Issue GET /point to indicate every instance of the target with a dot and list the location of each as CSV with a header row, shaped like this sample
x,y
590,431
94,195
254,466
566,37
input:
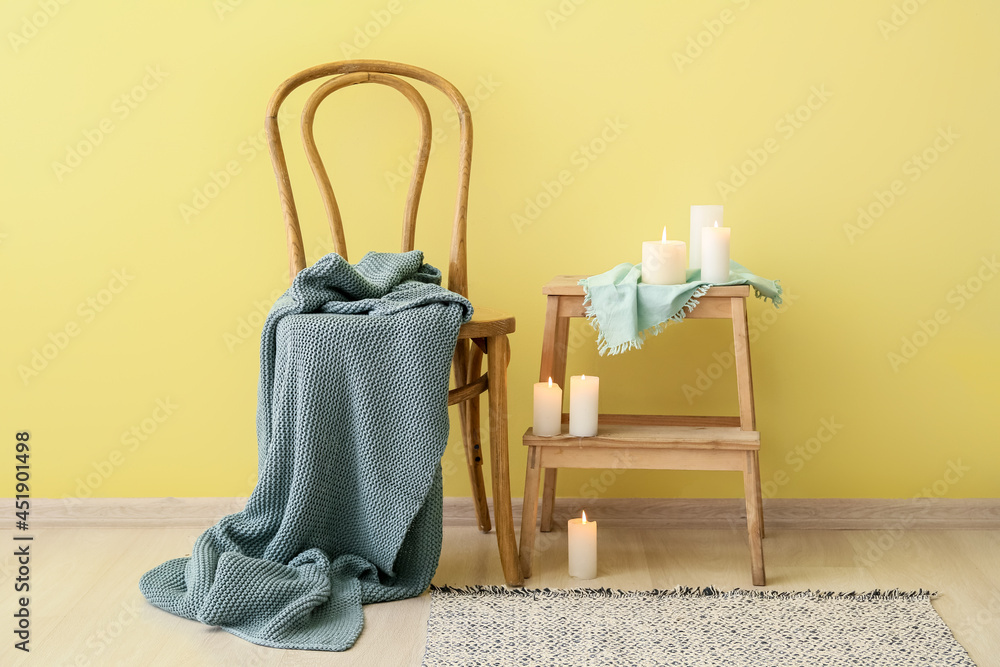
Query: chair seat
x,y
486,322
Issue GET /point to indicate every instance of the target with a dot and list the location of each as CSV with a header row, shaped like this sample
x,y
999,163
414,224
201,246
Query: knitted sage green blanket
x,y
352,421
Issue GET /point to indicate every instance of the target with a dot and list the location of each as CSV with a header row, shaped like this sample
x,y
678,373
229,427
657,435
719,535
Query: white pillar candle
x,y
701,217
583,392
582,548
664,262
715,254
548,409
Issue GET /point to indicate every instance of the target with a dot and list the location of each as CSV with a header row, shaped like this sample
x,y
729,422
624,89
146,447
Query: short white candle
x,y
715,254
664,262
548,409
583,393
582,548
701,217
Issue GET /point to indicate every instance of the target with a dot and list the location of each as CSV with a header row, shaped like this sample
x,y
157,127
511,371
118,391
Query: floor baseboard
x,y
131,512
795,513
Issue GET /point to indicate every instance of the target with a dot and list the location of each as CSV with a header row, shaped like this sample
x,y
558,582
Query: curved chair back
x,y
348,73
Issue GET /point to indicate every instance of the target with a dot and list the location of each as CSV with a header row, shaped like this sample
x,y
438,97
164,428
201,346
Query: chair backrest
x,y
348,73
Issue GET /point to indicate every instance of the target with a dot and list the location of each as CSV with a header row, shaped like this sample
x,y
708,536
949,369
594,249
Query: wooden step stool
x,y
646,441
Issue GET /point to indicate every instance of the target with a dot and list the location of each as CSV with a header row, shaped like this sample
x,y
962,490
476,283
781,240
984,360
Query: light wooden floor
x,y
86,608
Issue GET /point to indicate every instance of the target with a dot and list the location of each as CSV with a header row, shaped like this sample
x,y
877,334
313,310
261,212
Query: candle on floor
x,y
664,262
701,217
582,548
548,409
715,254
583,393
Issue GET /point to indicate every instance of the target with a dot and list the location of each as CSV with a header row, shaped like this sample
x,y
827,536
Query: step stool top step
x,y
568,286
653,436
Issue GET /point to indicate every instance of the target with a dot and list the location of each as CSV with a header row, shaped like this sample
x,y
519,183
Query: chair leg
x,y
548,498
473,444
498,356
458,363
751,475
529,511
474,457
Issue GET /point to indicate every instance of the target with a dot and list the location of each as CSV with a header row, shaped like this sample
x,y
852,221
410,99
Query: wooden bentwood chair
x,y
487,330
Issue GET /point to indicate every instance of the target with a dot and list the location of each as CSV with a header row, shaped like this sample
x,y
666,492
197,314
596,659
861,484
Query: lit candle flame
x,y
716,223
582,378
584,517
664,239
550,382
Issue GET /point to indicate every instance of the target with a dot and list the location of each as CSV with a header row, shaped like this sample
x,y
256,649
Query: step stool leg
x,y
744,378
555,342
548,499
758,496
529,510
751,476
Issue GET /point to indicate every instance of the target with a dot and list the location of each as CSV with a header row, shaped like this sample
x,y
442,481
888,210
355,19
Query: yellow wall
x,y
162,96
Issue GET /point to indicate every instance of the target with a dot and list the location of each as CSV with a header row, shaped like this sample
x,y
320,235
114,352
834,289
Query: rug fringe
x,y
680,591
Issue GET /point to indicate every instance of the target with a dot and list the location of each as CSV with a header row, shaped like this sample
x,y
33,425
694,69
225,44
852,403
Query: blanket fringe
x,y
680,591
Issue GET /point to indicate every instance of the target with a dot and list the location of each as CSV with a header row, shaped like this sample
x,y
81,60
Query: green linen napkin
x,y
625,311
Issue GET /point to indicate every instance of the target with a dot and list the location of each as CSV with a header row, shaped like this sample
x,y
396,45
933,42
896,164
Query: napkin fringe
x,y
776,299
627,313
604,347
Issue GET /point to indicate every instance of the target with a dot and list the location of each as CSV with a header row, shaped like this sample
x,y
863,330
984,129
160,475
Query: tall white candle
x,y
715,254
582,548
583,392
664,262
701,217
548,409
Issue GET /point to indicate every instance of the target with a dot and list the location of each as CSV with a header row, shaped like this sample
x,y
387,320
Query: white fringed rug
x,y
492,625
